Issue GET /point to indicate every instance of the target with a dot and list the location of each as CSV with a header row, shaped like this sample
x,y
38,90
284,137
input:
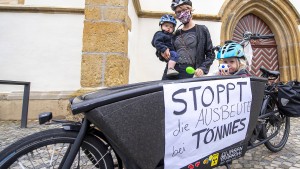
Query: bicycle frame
x,y
271,115
270,94
84,129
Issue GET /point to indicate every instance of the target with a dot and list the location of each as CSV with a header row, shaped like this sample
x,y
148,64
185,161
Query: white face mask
x,y
184,17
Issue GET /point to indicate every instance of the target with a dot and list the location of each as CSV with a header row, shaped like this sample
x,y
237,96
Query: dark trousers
x,y
174,56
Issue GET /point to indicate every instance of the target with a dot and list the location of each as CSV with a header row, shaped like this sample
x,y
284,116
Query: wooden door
x,y
264,50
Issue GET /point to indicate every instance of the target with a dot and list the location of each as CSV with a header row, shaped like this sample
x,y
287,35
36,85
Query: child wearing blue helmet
x,y
162,41
233,55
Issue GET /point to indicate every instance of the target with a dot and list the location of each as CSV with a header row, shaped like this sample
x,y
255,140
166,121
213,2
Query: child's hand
x,y
224,73
199,72
166,54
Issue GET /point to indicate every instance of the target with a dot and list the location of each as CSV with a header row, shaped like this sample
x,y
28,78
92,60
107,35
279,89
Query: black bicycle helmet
x,y
176,3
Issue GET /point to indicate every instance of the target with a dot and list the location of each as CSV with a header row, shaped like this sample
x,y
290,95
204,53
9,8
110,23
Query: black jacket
x,y
243,73
161,41
205,55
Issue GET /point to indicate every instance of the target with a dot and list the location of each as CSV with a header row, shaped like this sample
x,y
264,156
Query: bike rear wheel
x,y
46,149
276,123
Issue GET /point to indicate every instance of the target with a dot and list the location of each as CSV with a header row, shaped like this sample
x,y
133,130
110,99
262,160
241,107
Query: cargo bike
x,y
190,123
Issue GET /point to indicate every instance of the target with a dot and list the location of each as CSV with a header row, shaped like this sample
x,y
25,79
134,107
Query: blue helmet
x,y
231,50
167,18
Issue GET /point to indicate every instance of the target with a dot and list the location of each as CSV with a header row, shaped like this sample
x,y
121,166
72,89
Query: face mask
x,y
185,17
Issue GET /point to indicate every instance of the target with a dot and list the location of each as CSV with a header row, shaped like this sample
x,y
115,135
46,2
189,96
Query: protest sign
x,y
204,117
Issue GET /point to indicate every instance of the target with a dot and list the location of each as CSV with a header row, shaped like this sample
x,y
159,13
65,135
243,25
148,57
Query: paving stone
x,y
284,157
287,163
237,166
280,159
274,165
247,166
248,158
297,165
292,160
276,162
258,166
284,166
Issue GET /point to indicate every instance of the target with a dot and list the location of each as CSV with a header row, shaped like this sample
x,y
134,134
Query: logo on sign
x,y
214,159
231,154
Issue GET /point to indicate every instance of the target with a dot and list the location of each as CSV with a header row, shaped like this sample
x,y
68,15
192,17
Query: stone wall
x,y
105,44
55,102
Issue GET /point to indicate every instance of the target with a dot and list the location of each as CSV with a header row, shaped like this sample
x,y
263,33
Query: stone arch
x,y
283,20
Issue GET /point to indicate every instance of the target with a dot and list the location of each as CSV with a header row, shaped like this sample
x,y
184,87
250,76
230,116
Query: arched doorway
x,y
283,24
264,50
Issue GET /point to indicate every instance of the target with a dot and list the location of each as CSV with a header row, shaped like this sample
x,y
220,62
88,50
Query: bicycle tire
x,y
34,150
279,122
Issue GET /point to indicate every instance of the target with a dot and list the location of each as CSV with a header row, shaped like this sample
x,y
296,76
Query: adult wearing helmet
x,y
192,43
162,41
233,55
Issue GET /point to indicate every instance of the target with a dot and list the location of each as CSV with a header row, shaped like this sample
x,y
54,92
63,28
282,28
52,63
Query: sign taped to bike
x,y
204,117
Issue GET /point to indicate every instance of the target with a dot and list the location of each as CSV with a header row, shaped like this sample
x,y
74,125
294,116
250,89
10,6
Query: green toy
x,y
190,70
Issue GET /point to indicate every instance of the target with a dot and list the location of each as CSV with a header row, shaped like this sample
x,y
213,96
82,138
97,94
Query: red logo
x,y
197,164
191,166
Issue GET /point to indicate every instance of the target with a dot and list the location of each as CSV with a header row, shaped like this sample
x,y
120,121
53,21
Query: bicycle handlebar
x,y
247,36
258,36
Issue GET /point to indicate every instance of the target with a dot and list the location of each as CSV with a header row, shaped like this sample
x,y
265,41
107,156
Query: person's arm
x,y
158,42
209,53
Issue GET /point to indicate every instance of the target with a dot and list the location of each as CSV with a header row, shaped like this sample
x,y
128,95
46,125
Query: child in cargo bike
x,y
162,41
232,60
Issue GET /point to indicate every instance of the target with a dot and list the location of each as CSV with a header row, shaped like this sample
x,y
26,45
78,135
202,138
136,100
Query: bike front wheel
x,y
276,123
47,149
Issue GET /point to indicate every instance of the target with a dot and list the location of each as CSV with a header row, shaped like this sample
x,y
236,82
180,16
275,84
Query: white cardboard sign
x,y
204,117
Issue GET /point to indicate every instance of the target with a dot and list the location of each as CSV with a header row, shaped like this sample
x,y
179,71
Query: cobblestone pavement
x,y
259,157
